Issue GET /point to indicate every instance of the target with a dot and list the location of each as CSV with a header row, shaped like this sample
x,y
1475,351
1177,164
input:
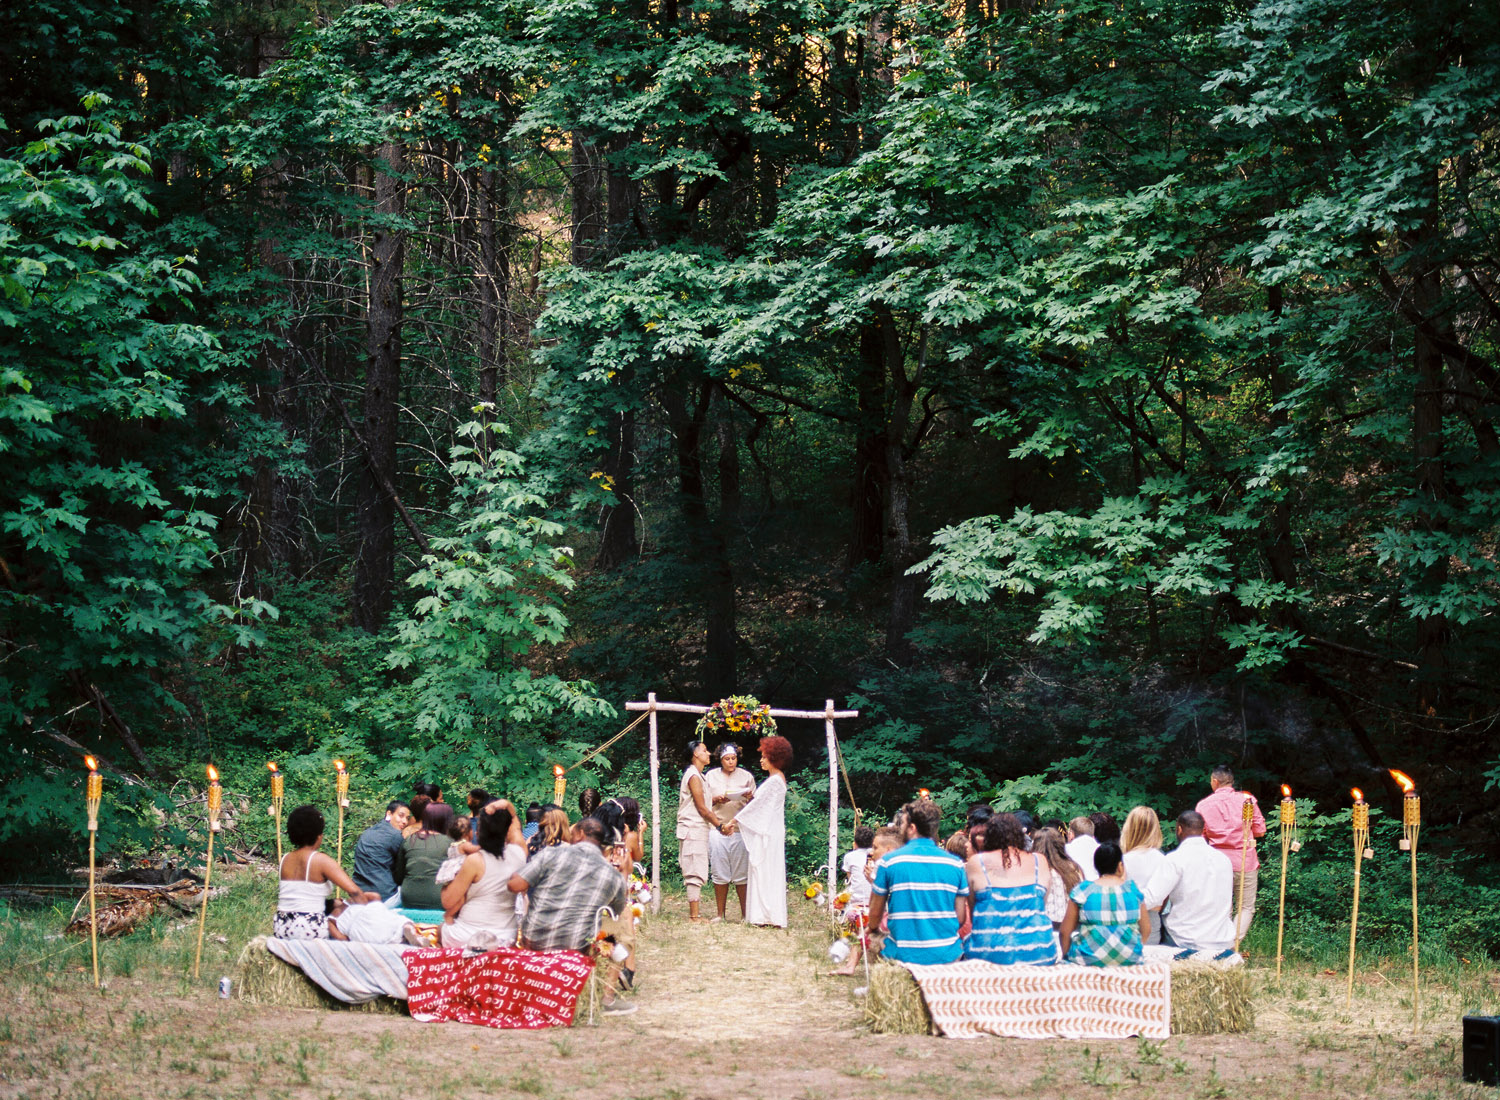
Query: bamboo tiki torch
x,y
1289,843
341,784
1411,824
559,784
1247,821
278,792
92,793
1360,819
215,804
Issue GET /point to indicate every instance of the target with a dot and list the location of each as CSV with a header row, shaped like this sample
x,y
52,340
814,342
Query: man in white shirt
x,y
1199,882
1081,846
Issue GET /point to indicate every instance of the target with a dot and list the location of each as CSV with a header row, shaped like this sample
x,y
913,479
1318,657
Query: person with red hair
x,y
763,825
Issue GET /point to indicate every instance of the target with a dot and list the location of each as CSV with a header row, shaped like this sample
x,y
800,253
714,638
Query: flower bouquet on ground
x,y
739,716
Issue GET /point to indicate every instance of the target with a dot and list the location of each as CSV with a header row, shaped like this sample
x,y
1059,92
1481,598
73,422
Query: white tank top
x,y
301,895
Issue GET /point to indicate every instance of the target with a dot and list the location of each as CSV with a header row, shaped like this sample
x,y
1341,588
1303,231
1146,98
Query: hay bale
x,y
893,1003
263,979
1211,999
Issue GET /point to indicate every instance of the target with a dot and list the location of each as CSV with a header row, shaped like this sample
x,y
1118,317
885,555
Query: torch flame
x,y
271,766
92,763
1359,795
557,769
213,774
339,764
1407,786
924,793
1286,792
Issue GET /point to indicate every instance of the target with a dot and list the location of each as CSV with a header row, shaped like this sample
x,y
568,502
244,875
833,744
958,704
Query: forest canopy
x,y
1087,392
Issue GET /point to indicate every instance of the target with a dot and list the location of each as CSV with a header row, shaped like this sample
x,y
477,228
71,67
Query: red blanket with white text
x,y
505,988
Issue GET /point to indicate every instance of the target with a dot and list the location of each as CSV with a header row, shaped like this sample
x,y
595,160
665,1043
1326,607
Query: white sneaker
x,y
618,1007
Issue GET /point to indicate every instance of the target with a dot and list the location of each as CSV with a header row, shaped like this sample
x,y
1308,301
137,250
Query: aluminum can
x,y
224,989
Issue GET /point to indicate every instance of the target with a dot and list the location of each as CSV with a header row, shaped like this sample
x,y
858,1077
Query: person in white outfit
x,y
729,788
763,824
695,823
1199,882
1081,846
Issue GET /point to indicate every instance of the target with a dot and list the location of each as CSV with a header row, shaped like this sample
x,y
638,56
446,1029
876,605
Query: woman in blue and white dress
x,y
1009,888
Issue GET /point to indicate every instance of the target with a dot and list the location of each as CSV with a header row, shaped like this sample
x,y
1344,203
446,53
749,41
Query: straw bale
x,y
1209,999
893,1003
261,978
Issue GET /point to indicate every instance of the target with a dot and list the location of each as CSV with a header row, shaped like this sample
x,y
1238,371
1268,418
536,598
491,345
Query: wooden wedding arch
x,y
827,714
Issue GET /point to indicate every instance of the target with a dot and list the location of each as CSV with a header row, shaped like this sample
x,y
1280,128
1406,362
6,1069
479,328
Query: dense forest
x,y
1086,392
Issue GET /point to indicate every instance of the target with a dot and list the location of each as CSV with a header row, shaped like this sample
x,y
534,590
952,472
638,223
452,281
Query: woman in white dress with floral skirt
x,y
763,825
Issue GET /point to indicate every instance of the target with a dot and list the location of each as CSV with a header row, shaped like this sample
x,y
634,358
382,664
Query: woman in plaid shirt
x,y
1106,921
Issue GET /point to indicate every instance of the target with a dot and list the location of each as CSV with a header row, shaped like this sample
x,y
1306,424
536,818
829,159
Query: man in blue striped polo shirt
x,y
923,891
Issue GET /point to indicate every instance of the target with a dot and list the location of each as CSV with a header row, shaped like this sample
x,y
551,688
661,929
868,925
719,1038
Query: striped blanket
x,y
352,972
971,998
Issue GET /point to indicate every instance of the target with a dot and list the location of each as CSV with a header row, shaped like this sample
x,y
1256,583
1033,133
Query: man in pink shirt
x,y
1224,829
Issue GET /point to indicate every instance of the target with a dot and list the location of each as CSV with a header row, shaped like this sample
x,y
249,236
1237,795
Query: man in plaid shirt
x,y
568,884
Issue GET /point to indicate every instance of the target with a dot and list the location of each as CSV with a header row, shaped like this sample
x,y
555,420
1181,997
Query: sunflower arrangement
x,y
738,716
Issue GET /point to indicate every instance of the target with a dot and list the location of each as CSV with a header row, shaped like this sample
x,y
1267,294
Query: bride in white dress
x,y
762,823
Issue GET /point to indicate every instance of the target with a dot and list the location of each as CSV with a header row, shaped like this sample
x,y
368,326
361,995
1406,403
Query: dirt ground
x,y
723,1010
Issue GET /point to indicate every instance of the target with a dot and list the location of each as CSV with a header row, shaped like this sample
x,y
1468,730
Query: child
x,y
372,924
854,865
458,833
885,839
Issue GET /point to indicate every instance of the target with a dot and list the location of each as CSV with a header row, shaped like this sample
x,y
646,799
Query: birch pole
x,y
655,808
833,803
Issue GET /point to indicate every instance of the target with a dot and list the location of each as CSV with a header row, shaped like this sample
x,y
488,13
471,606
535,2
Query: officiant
x,y
729,788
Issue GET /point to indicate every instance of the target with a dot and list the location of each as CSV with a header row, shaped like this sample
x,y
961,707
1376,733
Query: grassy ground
x,y
723,1009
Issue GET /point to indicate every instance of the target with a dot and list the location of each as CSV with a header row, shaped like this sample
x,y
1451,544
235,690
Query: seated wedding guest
x,y
1009,887
478,799
1081,845
958,845
979,814
375,851
421,855
479,898
372,924
431,791
1106,829
1028,825
634,840
925,891
1105,921
882,840
554,829
307,878
589,800
416,807
567,886
533,820
1048,843
1199,882
854,865
1141,842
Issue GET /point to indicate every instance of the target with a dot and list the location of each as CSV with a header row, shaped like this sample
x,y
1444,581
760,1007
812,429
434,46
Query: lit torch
x,y
1289,843
215,805
341,784
1411,825
278,792
559,784
93,792
924,795
1360,819
1247,823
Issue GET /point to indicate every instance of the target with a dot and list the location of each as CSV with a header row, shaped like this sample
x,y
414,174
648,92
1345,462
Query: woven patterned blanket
x,y
971,998
352,972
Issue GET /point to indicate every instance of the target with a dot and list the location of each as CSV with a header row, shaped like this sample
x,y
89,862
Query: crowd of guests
x,y
497,877
1011,890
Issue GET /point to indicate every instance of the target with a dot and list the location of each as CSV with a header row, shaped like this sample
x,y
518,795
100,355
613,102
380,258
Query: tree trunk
x,y
870,469
1427,440
375,566
586,180
899,548
494,289
705,543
